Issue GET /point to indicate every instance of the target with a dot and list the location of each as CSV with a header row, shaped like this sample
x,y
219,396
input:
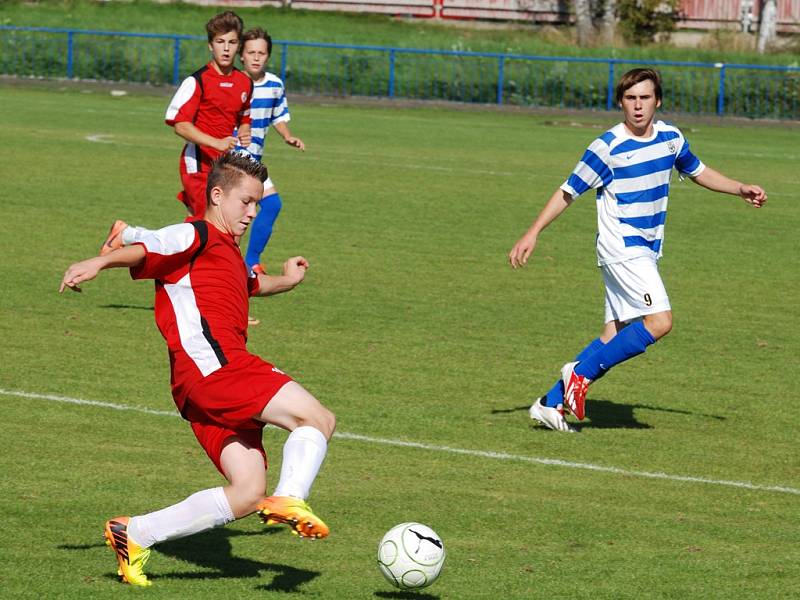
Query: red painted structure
x,y
695,14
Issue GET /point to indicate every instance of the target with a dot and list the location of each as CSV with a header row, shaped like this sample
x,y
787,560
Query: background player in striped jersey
x,y
208,106
268,108
226,393
630,166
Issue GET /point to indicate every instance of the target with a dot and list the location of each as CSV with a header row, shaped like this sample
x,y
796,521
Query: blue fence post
x,y
284,54
610,86
70,37
721,91
391,73
176,61
501,67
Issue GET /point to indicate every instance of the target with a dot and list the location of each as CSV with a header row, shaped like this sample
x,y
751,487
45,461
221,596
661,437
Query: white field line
x,y
336,157
445,449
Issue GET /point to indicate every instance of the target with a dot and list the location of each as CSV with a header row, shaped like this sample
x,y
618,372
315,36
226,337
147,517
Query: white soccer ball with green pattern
x,y
411,556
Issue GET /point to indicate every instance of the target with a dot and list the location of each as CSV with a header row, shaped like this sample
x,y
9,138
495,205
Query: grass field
x,y
683,483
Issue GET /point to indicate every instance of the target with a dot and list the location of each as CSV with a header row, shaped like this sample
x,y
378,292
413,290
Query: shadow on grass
x,y
605,414
213,552
406,596
135,306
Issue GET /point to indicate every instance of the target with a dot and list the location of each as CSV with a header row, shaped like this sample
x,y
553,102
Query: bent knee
x,y
324,420
659,324
244,497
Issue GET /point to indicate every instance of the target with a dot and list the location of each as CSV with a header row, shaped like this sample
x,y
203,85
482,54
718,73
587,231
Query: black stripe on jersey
x,y
202,232
198,76
213,342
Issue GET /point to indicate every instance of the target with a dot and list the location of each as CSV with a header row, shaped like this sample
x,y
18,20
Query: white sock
x,y
199,512
303,454
132,234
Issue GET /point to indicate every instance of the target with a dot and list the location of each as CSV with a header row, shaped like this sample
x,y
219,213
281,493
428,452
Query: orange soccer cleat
x,y
114,238
295,513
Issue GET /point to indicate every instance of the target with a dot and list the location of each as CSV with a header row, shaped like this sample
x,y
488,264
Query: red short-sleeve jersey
x,y
216,104
201,304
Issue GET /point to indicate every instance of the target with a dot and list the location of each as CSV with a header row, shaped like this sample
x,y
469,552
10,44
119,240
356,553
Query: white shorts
x,y
268,184
633,289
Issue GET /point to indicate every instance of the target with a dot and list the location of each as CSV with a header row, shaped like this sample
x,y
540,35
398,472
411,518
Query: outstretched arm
x,y
717,182
283,130
129,256
294,271
558,203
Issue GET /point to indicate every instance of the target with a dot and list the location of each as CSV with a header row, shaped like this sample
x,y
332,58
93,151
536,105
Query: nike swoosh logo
x,y
629,156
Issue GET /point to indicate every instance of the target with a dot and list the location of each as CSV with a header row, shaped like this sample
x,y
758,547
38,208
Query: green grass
x,y
411,327
313,26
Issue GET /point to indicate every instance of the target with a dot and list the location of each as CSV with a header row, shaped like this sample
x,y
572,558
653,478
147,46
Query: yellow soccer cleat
x,y
293,512
130,555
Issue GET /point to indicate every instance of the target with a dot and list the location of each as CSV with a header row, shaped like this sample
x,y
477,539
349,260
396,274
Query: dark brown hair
x,y
228,169
256,33
634,76
223,23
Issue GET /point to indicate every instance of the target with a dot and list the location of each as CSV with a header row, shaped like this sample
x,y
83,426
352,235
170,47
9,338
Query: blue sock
x,y
261,229
630,342
555,396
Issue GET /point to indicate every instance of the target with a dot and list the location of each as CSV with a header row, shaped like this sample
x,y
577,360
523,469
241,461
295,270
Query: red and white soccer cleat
x,y
550,417
575,388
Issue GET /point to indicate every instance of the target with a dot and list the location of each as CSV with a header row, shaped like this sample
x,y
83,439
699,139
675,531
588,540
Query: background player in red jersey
x,y
226,393
208,106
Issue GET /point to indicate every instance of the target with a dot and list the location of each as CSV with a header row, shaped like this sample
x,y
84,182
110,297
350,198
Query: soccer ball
x,y
411,556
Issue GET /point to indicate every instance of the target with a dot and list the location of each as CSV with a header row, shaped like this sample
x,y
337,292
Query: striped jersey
x,y
215,104
267,107
632,177
202,291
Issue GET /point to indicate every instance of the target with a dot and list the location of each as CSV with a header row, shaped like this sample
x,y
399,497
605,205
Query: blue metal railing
x,y
486,77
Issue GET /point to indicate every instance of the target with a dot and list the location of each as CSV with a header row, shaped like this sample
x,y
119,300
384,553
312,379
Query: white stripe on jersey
x,y
170,240
267,107
190,328
181,97
632,178
190,157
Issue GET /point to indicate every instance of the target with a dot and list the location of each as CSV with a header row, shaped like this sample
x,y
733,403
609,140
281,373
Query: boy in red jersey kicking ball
x,y
226,393
208,106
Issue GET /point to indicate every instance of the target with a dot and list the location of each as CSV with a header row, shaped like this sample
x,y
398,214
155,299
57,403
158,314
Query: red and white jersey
x,y
216,104
202,291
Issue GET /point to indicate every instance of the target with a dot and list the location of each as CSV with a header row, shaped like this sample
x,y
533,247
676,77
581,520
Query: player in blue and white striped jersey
x,y
268,108
630,166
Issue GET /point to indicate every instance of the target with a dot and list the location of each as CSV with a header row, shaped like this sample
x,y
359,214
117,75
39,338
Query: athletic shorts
x,y
268,184
225,403
633,289
193,194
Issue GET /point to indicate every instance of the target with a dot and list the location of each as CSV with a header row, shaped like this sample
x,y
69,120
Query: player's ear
x,y
216,195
